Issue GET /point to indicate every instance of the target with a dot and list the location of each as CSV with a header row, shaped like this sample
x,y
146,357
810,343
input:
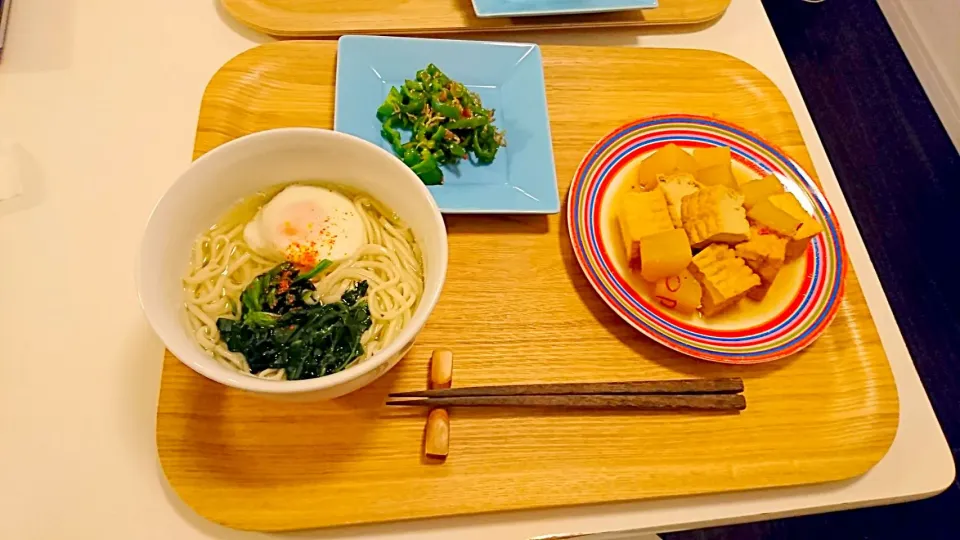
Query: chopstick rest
x,y
436,437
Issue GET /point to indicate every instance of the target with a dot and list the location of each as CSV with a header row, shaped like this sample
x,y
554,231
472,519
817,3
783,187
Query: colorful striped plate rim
x,y
793,325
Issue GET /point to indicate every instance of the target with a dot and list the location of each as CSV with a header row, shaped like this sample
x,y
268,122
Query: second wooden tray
x,y
325,18
517,309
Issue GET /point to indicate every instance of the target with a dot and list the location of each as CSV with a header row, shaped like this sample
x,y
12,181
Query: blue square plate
x,y
522,8
508,78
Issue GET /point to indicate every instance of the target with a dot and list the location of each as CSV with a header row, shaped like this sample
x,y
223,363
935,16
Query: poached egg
x,y
304,225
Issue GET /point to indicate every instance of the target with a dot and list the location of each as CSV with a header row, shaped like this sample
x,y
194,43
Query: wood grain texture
x,y
323,18
516,309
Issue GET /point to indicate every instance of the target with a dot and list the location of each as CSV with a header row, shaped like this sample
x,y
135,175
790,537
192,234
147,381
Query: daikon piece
x,y
642,213
717,175
681,292
711,156
810,226
664,254
768,215
667,160
758,190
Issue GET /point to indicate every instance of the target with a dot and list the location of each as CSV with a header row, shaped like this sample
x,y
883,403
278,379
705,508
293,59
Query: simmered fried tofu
x,y
764,253
724,276
714,214
642,213
760,291
675,187
667,160
808,229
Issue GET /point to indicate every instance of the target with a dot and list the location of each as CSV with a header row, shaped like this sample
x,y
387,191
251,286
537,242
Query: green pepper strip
x,y
414,106
472,122
458,151
410,157
414,91
386,110
392,135
428,170
484,155
449,111
390,105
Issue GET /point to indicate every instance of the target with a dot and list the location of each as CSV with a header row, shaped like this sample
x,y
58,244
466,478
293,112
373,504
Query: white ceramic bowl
x,y
245,166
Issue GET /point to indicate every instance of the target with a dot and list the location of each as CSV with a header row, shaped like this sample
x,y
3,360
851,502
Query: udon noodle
x,y
222,265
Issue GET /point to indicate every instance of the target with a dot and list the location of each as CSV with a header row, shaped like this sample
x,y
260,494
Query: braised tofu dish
x,y
704,240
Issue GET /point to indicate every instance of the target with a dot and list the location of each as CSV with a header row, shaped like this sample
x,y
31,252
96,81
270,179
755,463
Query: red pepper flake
x,y
284,282
667,302
673,283
303,255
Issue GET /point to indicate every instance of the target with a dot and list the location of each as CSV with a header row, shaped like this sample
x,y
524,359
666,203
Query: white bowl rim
x,y
428,300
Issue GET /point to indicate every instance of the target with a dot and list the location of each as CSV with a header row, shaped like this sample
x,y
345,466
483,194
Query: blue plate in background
x,y
521,8
508,78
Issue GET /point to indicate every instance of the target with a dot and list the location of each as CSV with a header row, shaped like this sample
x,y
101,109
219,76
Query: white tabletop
x,y
98,105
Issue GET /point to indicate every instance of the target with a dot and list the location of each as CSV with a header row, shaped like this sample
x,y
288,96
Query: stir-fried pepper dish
x,y
447,123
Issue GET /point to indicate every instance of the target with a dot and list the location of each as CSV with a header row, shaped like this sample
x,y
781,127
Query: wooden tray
x,y
517,309
325,18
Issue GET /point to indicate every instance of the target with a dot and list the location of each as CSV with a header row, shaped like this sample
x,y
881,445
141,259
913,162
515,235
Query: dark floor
x,y
901,176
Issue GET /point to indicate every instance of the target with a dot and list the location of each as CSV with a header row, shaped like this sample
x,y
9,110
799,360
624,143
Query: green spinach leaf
x,y
280,326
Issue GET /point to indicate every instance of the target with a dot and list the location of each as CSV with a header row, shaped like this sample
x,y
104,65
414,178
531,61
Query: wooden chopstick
x,y
731,385
712,402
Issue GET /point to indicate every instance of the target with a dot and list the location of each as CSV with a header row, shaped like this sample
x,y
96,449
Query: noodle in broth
x,y
223,264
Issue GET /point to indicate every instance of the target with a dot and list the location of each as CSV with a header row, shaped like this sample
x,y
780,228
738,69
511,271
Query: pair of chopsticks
x,y
722,394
